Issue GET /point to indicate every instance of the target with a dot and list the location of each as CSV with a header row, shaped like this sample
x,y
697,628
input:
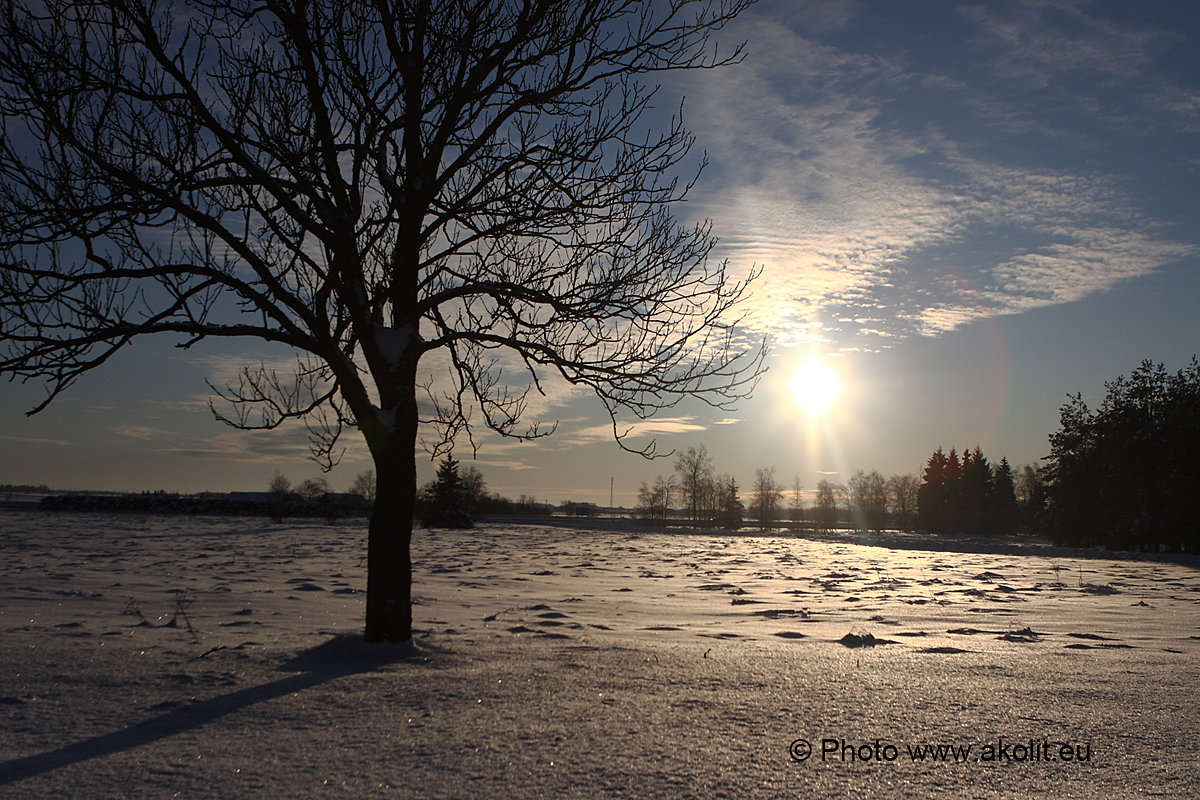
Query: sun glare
x,y
815,386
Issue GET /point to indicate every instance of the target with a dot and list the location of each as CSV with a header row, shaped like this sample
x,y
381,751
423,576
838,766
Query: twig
x,y
181,611
210,651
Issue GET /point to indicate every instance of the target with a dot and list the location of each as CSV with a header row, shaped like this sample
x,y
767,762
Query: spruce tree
x,y
1003,512
448,498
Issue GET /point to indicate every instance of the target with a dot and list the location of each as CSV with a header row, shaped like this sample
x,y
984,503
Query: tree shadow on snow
x,y
342,655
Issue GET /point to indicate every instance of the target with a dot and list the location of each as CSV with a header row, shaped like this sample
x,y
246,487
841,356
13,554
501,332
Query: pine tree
x,y
730,508
1031,497
972,498
447,498
1003,499
1123,475
933,496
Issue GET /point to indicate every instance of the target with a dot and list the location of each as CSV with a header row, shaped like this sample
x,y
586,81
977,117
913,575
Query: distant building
x,y
250,497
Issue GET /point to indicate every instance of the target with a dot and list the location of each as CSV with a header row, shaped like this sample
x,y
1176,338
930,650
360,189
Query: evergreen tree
x,y
933,498
966,494
973,495
448,498
953,466
1123,475
1031,497
1071,471
730,509
1003,512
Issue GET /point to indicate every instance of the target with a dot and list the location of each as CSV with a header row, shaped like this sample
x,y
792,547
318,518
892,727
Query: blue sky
x,y
970,210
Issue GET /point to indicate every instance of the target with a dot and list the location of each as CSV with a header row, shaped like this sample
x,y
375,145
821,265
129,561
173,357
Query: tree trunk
x,y
389,565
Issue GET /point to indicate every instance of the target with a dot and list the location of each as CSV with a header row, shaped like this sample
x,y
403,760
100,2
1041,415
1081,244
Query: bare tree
x,y
312,489
857,488
767,495
694,468
280,485
902,493
654,501
368,183
825,509
868,500
364,485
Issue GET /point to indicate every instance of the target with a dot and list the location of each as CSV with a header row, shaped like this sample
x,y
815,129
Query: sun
x,y
815,386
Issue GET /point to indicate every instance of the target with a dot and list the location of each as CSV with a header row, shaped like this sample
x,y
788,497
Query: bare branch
x,y
368,182
372,183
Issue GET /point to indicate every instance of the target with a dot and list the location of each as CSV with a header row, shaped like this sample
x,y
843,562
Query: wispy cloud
x,y
635,430
1076,60
287,443
875,219
35,440
507,465
192,403
225,369
504,454
1039,41
141,432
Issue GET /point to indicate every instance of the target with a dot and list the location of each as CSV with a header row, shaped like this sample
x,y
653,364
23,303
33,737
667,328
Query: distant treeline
x,y
458,495
1121,476
968,495
955,495
23,488
704,498
453,498
698,495
167,503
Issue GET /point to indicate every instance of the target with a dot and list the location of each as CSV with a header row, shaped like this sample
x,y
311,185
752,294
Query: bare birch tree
x,y
369,183
694,468
902,493
767,495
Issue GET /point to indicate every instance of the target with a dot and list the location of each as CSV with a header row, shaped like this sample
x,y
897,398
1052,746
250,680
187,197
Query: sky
x,y
965,211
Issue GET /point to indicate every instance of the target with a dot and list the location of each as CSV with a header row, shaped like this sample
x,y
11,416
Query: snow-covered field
x,y
219,657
